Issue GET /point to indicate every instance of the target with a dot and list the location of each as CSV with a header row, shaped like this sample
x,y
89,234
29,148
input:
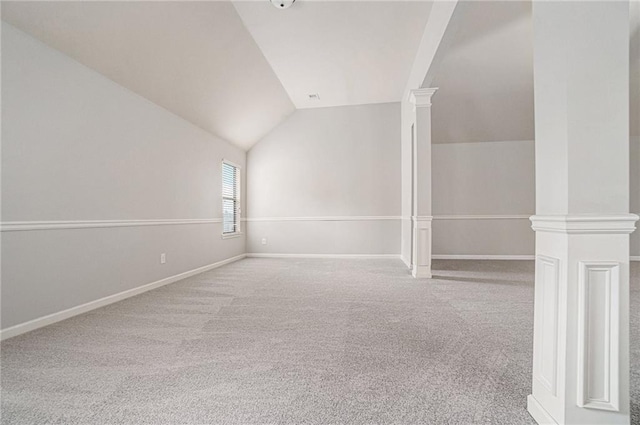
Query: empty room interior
x,y
320,212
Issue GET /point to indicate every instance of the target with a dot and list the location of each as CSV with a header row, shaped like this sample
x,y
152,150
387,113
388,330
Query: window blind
x,y
230,198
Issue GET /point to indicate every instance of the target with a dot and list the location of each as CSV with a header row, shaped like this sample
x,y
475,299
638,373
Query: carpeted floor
x,y
284,341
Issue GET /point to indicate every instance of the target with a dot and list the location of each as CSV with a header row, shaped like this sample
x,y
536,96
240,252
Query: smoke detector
x,y
282,4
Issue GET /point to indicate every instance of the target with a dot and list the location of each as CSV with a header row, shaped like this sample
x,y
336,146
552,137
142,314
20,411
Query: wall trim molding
x,y
421,218
585,224
524,257
484,217
110,299
435,257
421,98
538,413
603,279
482,257
497,257
546,346
15,226
394,217
326,218
364,256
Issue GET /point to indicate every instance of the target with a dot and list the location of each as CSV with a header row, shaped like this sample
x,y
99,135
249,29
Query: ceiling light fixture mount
x,y
282,4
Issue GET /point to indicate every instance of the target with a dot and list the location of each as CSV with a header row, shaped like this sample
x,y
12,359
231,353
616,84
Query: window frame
x,y
237,200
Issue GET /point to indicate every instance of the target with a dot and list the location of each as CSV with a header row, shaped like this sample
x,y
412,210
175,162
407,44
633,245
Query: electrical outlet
x,y
264,241
163,258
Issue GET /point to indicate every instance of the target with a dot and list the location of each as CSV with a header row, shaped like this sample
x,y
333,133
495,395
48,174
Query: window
x,y
230,198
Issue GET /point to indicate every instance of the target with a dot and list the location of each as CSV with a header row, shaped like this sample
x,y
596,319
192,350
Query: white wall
x,y
491,179
76,146
336,172
478,191
483,195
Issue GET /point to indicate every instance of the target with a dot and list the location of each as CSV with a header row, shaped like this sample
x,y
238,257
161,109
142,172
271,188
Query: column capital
x,y
421,97
585,224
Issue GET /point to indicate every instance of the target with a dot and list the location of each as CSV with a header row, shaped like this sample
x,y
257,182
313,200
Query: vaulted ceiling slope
x,y
485,78
196,59
347,52
485,75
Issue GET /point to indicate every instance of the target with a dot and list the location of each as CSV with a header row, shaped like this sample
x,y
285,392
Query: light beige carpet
x,y
282,341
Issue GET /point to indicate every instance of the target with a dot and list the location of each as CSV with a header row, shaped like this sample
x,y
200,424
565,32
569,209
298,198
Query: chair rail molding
x,y
326,218
483,217
17,226
393,217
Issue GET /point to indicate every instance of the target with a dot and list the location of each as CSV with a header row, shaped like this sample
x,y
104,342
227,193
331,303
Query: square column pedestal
x,y
581,320
421,247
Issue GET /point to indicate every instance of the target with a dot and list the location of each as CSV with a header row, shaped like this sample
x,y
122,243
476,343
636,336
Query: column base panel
x,y
538,413
421,272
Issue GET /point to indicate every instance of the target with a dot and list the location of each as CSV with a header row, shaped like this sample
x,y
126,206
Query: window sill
x,y
232,235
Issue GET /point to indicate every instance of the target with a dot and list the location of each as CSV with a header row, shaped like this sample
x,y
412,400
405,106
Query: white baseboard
x,y
538,413
92,305
263,255
482,257
497,257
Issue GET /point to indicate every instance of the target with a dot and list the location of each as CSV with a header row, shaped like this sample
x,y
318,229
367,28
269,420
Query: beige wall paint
x,y
76,146
485,76
483,180
337,162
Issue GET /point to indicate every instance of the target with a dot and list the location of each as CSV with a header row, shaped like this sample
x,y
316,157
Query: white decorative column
x,y
421,175
582,221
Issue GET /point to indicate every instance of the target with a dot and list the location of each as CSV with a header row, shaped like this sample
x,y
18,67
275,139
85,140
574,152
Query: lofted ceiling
x,y
195,59
485,78
485,75
347,52
239,69
233,69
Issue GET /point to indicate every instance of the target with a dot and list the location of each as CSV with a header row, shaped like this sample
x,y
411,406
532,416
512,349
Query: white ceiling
x,y
348,52
485,78
234,69
195,59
